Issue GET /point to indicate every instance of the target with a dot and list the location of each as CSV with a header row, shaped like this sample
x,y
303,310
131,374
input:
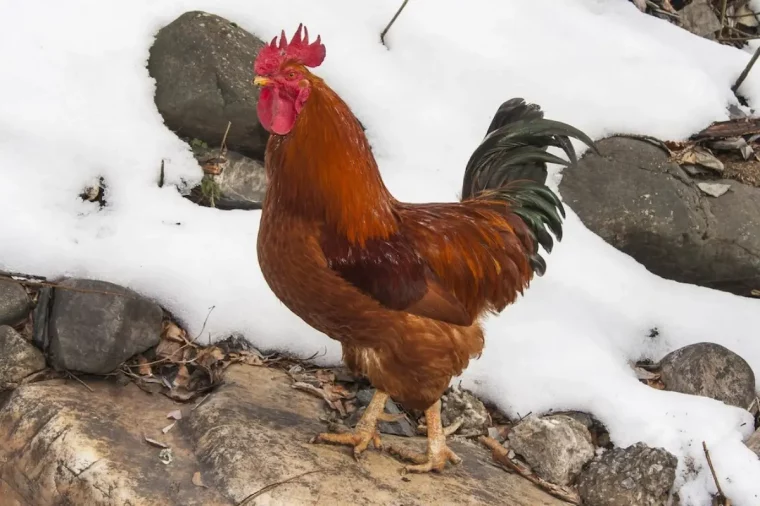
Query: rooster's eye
x,y
291,75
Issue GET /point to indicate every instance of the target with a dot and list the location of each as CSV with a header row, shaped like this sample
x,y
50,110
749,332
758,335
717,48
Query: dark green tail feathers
x,y
510,165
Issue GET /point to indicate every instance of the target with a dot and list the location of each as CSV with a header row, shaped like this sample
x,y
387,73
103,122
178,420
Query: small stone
x,y
709,370
400,427
714,189
95,326
556,447
18,358
14,303
700,19
459,404
633,476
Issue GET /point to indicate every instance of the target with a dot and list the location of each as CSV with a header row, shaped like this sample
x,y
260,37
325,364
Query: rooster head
x,y
280,69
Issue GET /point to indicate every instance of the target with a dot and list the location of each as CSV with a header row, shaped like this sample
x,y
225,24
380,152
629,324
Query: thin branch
x,y
393,20
721,496
746,70
722,16
273,485
72,376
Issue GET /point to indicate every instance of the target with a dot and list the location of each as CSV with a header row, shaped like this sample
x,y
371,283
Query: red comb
x,y
272,55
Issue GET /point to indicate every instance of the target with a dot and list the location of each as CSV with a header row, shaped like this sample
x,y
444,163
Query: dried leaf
x,y
643,374
325,376
172,332
197,480
695,155
207,357
169,350
183,377
155,443
143,367
175,415
168,427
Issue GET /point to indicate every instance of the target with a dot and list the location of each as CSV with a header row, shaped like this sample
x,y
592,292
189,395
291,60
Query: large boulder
x,y
61,443
203,67
651,209
633,476
709,370
94,326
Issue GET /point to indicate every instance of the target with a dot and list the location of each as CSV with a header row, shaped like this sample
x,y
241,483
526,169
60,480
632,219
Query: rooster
x,y
401,286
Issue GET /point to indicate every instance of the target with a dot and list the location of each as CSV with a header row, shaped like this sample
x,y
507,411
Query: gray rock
x,y
459,404
633,476
18,358
14,303
650,209
709,370
401,427
556,447
95,326
700,19
203,67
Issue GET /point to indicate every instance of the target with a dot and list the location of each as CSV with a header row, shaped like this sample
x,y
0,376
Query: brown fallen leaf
x,y
325,376
143,366
168,427
207,357
182,380
175,415
169,350
197,480
155,443
172,332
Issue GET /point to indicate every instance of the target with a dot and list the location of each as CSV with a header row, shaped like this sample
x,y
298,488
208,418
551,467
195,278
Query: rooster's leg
x,y
438,454
364,432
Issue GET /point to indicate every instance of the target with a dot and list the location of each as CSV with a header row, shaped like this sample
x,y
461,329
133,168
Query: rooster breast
x,y
412,358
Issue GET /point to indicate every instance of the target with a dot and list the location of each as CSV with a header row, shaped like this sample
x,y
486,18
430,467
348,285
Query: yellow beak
x,y
261,81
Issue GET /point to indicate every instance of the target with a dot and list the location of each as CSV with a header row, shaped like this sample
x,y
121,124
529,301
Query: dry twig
x,y
746,70
722,499
273,485
501,456
393,20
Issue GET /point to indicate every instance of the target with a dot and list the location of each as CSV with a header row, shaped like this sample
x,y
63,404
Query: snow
x,y
77,103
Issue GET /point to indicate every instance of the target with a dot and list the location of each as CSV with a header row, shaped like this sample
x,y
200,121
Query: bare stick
x,y
223,148
746,70
722,17
501,456
273,485
393,20
721,496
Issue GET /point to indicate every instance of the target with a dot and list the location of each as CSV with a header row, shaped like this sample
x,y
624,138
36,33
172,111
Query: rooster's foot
x,y
365,431
437,455
434,460
359,439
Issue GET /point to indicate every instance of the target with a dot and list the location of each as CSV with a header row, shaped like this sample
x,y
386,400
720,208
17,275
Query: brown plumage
x,y
401,286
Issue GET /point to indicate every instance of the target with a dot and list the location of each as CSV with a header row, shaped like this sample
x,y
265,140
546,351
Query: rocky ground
x,y
105,400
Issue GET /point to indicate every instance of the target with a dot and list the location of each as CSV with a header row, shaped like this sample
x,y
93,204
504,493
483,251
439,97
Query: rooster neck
x,y
324,170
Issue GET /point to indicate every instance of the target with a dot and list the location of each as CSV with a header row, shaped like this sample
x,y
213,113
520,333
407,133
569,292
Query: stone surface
x,y
62,444
700,19
633,476
556,447
402,427
18,358
203,67
709,370
649,208
242,183
14,303
459,404
94,326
